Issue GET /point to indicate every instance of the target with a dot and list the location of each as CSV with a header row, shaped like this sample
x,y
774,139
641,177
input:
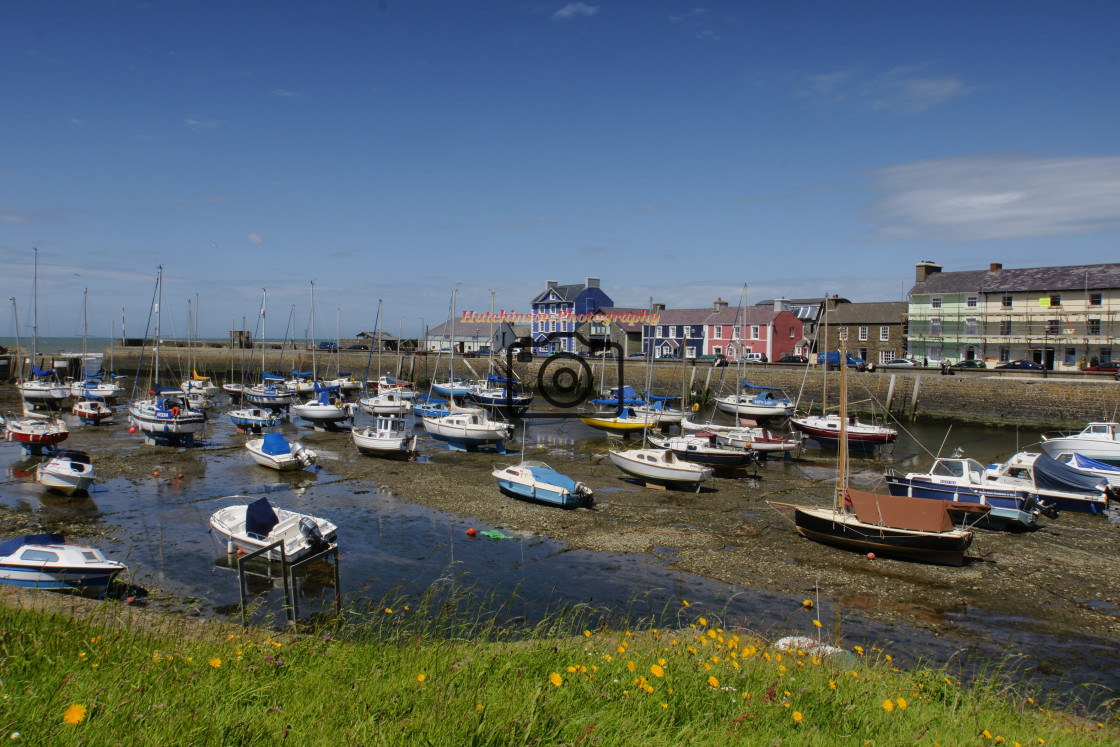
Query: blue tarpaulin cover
x,y
275,444
259,517
40,372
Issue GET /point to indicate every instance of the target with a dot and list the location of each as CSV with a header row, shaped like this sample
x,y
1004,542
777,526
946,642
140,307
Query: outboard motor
x,y
1034,506
310,531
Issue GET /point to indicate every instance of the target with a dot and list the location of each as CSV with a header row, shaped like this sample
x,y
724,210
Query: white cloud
x,y
255,238
285,94
198,123
573,10
997,197
903,90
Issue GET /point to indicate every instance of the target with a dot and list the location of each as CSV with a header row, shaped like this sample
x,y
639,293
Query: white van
x,y
754,358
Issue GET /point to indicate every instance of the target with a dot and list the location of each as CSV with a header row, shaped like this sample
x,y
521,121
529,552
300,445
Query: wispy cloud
x,y
997,197
255,238
200,123
285,94
25,217
576,10
902,90
697,19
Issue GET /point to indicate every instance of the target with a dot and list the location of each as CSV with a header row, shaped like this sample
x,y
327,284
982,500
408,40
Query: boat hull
x,y
658,470
1010,509
846,531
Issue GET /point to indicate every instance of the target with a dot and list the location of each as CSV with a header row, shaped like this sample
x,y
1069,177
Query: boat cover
x,y
260,517
498,379
629,397
1081,461
275,444
659,397
550,476
1050,474
748,385
271,377
165,390
322,390
900,512
302,373
9,547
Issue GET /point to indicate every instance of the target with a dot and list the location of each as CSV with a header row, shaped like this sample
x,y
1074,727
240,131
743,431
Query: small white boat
x,y
826,429
661,466
67,472
387,437
91,411
323,412
386,403
275,451
538,482
166,418
271,392
47,561
757,402
761,440
252,527
467,428
1100,441
198,384
1085,465
233,388
254,419
702,448
44,388
36,433
95,386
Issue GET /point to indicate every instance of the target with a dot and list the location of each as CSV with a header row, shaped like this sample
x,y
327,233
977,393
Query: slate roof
x,y
760,315
1010,280
876,312
568,293
468,330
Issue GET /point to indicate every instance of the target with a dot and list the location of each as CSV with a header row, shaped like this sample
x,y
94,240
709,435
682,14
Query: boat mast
x,y
159,302
15,317
842,476
314,343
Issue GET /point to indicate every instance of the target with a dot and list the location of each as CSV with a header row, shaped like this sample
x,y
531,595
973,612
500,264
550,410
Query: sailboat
x,y
909,528
166,415
43,386
93,391
454,386
272,392
467,428
326,409
390,400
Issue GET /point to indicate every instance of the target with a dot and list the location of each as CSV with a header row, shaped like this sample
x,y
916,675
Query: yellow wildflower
x,y
888,706
631,666
657,671
713,681
556,679
686,603
858,650
902,703
421,677
703,622
388,611
807,604
215,662
987,734
817,623
587,634
797,717
832,684
75,714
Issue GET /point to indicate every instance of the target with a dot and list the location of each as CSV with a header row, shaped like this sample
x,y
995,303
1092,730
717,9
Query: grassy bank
x,y
74,671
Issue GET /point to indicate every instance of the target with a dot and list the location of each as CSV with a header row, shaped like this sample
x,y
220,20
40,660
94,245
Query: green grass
x,y
413,673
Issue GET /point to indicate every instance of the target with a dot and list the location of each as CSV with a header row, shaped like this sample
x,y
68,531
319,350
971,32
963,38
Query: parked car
x,y
640,356
328,346
1109,366
358,347
754,358
970,363
1020,366
901,363
793,359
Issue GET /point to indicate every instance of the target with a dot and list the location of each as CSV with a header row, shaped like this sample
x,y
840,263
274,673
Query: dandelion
x,y
587,634
631,666
686,603
479,707
816,623
215,662
832,684
987,734
556,679
797,717
664,705
888,706
713,681
388,611
703,622
859,650
421,677
807,604
902,703
75,714
657,671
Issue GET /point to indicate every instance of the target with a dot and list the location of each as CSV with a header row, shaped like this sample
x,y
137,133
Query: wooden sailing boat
x,y
909,528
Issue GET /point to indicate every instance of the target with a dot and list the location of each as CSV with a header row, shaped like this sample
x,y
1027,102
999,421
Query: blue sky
x,y
398,150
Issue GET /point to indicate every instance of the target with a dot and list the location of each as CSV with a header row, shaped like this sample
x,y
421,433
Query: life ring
x,y
174,412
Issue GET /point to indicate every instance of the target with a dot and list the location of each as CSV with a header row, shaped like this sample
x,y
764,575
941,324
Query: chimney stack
x,y
924,269
995,267
720,304
779,305
592,283
549,284
658,308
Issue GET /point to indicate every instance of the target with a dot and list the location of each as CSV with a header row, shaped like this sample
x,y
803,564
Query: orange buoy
x,y
472,532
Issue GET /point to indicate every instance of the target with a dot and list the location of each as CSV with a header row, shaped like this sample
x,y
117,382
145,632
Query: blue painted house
x,y
563,308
